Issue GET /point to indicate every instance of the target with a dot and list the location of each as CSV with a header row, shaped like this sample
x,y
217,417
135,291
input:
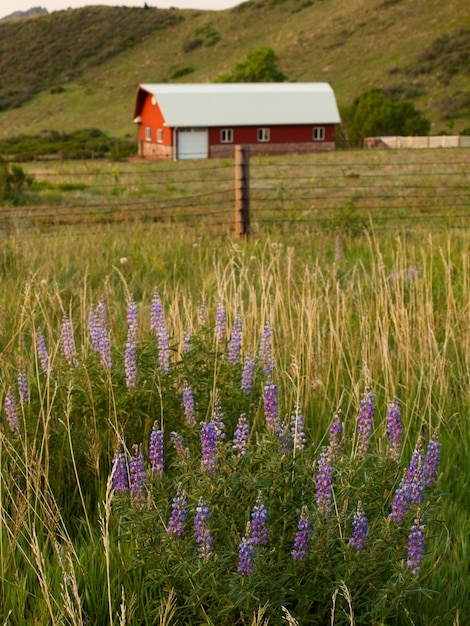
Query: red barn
x,y
199,121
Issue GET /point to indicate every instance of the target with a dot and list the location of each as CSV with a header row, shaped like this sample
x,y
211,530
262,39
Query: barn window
x,y
160,135
148,133
263,134
226,135
318,133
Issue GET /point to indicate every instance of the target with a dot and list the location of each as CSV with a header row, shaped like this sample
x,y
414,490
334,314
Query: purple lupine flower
x,y
414,475
23,386
209,446
218,417
202,318
335,433
67,343
137,476
240,437
401,500
259,517
179,443
297,429
178,513
98,324
360,529
365,421
235,340
394,430
220,321
246,554
188,405
416,545
120,475
265,354
302,536
158,325
431,461
187,341
324,483
271,408
156,450
201,531
11,410
247,374
41,349
130,361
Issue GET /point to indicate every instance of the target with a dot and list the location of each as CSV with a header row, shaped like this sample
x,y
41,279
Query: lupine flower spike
x,y
69,351
431,461
265,354
416,545
179,443
259,518
302,537
235,340
178,514
98,324
240,437
158,325
42,351
138,477
188,405
271,408
120,476
297,430
247,374
365,422
201,531
209,446
394,430
335,433
246,554
324,488
218,417
360,529
220,322
23,386
11,410
130,363
156,450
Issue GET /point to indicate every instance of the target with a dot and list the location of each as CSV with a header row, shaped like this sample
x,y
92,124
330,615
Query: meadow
x,y
203,430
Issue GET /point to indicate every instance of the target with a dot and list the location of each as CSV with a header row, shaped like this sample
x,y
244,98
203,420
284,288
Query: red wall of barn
x,y
152,116
278,134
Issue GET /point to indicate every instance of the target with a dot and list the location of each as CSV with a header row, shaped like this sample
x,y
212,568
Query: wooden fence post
x,y
242,191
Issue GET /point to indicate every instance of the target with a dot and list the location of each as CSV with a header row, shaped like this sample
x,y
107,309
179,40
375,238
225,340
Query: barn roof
x,y
242,104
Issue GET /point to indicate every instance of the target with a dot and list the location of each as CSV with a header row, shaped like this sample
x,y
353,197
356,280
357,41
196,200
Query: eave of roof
x,y
240,104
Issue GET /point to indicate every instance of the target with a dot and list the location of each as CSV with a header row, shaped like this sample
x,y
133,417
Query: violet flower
x,y
240,437
259,518
69,351
130,357
11,410
41,349
335,433
416,545
324,484
188,405
246,554
235,340
431,462
120,475
401,501
218,417
220,322
247,375
265,354
394,430
201,531
99,332
209,447
179,443
158,325
365,421
138,478
302,536
156,450
178,514
23,386
360,529
187,341
297,430
271,408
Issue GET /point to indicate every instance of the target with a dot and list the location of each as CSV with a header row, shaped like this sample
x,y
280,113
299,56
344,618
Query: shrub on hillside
x,y
260,66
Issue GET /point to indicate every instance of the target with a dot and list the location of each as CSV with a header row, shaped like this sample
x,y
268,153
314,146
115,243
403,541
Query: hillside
x,y
81,68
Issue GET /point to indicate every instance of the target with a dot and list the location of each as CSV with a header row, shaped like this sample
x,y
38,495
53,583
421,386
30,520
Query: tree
x,y
372,114
260,67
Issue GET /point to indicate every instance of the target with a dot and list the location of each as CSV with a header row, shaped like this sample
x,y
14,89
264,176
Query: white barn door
x,y
193,143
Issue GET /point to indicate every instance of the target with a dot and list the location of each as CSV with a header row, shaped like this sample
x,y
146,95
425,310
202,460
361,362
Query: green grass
x,y
355,48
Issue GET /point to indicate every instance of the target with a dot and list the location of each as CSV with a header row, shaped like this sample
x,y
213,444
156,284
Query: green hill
x,y
80,68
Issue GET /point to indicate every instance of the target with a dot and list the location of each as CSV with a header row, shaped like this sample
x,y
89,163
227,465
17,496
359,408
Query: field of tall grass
x,y
199,430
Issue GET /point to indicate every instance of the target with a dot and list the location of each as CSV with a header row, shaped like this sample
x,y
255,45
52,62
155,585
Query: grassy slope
x,y
354,45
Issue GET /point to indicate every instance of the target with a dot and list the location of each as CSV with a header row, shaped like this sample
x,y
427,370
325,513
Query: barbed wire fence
x,y
343,191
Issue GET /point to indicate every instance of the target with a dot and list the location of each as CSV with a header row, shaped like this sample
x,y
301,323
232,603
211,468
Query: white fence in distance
x,y
436,141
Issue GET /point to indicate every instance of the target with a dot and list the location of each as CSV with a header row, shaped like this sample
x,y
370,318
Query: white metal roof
x,y
244,104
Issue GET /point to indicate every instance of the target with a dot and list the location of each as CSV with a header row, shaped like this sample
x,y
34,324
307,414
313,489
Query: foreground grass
x,y
390,311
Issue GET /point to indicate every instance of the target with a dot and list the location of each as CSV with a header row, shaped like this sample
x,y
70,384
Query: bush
x,y
260,67
14,182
